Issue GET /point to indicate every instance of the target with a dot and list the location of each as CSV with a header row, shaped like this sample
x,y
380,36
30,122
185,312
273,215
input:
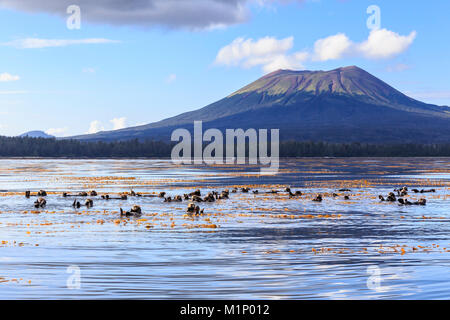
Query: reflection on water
x,y
252,246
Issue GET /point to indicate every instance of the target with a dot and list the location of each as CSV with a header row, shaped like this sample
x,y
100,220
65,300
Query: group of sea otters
x,y
403,192
212,196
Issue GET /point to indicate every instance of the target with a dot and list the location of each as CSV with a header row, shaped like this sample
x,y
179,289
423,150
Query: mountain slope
x,y
341,105
36,134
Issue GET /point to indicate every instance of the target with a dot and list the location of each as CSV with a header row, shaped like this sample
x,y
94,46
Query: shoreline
x,y
168,158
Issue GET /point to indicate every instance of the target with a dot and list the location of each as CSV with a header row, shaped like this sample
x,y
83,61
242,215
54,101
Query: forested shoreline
x,y
54,148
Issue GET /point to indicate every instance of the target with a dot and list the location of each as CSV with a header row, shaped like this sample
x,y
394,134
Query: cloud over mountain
x,y
268,52
273,54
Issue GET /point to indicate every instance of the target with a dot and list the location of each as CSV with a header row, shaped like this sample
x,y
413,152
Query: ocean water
x,y
251,246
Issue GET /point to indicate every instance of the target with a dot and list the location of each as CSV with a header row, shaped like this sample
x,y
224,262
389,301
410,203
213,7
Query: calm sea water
x,y
252,246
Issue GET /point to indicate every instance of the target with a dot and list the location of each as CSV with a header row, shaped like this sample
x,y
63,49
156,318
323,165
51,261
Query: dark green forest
x,y
40,147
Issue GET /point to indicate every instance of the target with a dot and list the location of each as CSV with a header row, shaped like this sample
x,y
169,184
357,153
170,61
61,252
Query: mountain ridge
x,y
36,134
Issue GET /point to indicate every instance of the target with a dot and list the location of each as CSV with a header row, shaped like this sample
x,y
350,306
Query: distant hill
x,y
342,105
36,134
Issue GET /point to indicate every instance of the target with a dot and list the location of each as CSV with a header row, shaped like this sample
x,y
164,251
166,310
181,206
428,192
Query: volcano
x,y
342,105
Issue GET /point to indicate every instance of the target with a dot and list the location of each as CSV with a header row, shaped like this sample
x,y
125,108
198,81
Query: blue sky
x,y
139,66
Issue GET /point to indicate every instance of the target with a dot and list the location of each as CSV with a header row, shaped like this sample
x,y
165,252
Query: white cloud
x,y
171,78
272,54
95,126
36,43
6,77
57,131
241,49
8,92
331,48
285,62
118,123
383,44
268,52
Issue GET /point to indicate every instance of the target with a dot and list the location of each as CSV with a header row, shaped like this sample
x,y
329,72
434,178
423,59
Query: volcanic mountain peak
x,y
347,81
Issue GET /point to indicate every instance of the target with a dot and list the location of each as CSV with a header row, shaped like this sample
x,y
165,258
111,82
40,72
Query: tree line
x,y
41,147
